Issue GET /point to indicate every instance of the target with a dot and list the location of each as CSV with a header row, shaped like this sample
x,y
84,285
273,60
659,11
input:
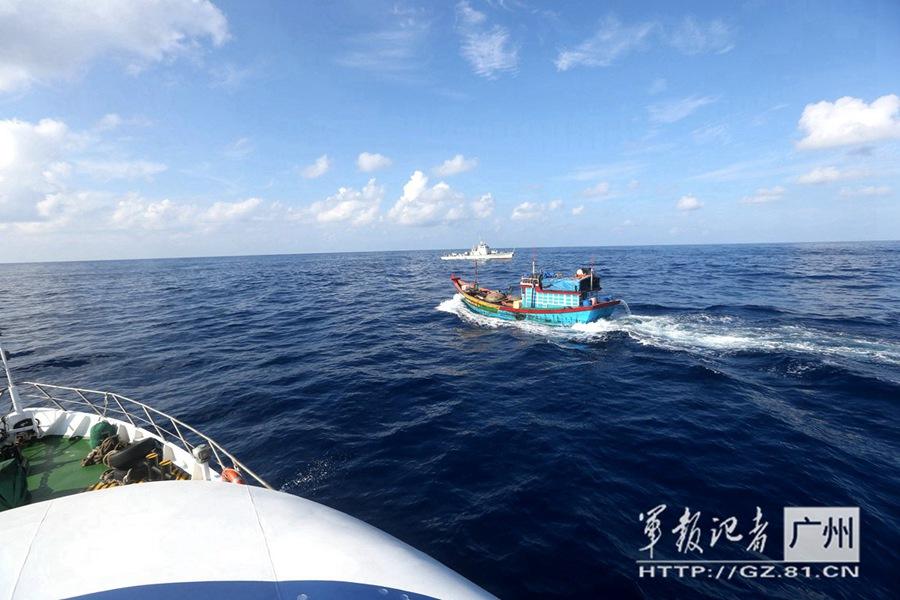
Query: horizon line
x,y
212,256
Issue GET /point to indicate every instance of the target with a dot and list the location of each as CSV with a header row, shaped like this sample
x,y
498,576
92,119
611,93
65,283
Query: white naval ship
x,y
481,251
162,511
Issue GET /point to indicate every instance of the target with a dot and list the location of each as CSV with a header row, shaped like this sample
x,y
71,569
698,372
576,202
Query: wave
x,y
701,332
456,307
729,334
310,478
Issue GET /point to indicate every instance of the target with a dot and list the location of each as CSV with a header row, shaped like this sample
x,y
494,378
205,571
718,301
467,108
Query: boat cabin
x,y
546,290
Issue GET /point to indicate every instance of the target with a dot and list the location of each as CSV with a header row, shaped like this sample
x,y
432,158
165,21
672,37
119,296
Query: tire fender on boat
x,y
124,459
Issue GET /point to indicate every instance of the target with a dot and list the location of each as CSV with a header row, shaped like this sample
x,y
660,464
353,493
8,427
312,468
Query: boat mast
x,y
533,278
592,273
13,392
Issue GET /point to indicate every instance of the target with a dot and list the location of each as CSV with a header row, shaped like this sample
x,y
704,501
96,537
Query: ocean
x,y
520,455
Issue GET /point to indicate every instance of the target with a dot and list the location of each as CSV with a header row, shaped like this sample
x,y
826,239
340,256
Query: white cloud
x,y
421,205
490,51
483,207
763,117
675,110
597,191
849,121
33,165
820,175
317,168
368,162
107,170
136,212
527,211
612,41
59,209
112,121
469,15
453,166
711,133
828,175
394,52
688,203
692,37
764,195
109,121
871,190
223,212
612,170
771,165
358,207
239,148
47,41
38,194
615,40
578,210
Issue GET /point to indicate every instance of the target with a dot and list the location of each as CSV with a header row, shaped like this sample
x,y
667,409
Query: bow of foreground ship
x,y
104,497
546,298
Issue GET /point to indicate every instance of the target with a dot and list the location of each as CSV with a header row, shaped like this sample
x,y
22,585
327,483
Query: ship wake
x,y
701,333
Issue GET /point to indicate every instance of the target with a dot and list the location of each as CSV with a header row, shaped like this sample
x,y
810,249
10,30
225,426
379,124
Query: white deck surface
x,y
195,531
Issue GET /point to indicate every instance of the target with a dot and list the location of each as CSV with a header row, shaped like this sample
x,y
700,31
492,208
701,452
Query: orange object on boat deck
x,y
232,476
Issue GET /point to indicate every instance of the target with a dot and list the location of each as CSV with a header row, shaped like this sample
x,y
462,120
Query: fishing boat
x,y
546,298
103,497
480,251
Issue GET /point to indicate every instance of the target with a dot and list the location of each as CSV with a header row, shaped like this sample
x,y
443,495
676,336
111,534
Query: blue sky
x,y
171,128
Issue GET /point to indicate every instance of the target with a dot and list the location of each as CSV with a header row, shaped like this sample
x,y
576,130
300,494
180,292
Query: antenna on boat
x,y
592,272
13,392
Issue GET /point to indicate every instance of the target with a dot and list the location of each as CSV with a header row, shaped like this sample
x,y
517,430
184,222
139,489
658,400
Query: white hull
x,y
208,537
497,255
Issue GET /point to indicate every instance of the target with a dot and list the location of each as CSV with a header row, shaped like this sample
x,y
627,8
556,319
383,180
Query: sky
x,y
174,128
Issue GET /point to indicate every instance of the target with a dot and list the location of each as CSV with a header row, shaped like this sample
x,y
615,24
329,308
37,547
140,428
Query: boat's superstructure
x,y
548,298
480,251
169,513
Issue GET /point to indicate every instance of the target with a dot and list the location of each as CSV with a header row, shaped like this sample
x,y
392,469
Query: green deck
x,y
54,467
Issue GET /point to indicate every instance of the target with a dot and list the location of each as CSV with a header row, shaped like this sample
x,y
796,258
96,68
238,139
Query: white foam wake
x,y
456,306
452,306
702,333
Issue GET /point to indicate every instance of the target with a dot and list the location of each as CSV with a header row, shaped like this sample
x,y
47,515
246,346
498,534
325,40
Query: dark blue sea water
x,y
519,455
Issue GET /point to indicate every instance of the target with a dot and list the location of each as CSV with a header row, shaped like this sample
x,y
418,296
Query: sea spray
x,y
699,333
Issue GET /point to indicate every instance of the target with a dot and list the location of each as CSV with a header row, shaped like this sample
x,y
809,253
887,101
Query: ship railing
x,y
108,404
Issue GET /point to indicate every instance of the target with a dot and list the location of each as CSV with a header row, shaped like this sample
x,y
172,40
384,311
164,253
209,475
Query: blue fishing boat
x,y
547,298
